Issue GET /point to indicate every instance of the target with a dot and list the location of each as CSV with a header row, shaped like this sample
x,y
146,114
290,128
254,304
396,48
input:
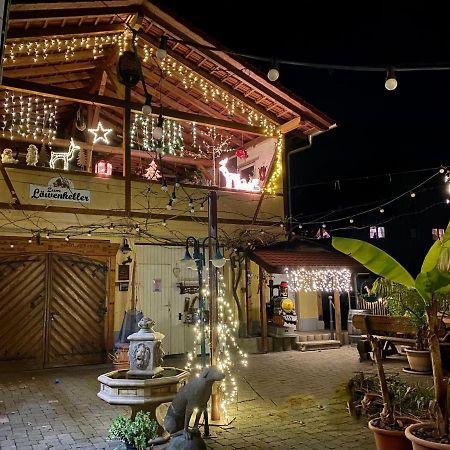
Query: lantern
x,y
241,153
103,167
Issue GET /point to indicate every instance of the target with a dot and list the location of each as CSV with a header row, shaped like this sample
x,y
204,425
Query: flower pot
x,y
419,360
390,439
422,444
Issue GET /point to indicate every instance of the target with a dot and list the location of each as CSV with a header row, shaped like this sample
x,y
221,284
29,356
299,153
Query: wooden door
x,y
75,332
22,311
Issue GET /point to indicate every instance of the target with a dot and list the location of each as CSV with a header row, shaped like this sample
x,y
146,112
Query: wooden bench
x,y
389,330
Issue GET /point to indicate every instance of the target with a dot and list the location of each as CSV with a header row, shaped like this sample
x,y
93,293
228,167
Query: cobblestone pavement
x,y
287,400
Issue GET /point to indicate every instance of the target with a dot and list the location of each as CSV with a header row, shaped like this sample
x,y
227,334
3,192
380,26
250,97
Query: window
x,y
377,233
437,233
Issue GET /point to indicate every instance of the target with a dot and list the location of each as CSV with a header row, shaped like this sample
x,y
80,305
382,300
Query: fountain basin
x,y
118,388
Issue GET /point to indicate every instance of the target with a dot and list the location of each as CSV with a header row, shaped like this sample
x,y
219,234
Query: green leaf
x,y
433,282
432,257
374,259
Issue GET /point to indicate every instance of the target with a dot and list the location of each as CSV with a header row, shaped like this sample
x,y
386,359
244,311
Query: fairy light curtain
x,y
324,280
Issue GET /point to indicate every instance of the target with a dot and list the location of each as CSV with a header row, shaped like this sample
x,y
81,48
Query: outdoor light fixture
x,y
125,247
158,130
274,73
381,210
161,53
169,205
147,106
190,262
164,185
174,197
218,260
391,82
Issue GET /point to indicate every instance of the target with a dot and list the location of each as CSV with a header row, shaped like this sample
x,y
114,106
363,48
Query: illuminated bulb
x,y
67,238
391,81
351,220
137,228
413,194
281,225
191,204
12,245
157,132
169,205
30,241
147,106
47,236
273,74
177,184
441,170
381,210
300,226
161,52
324,225
164,186
192,210
202,208
447,201
89,233
164,223
111,227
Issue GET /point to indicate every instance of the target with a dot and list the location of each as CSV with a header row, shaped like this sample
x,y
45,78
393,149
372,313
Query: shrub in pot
x,y
136,433
433,286
407,302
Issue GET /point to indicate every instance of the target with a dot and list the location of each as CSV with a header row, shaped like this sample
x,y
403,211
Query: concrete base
x,y
309,324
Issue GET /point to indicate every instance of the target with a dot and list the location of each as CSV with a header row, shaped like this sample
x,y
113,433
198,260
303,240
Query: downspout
x,y
294,152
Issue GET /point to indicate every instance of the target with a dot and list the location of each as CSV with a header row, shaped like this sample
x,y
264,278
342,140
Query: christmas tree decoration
x,y
32,155
64,156
152,172
43,156
103,167
82,159
100,133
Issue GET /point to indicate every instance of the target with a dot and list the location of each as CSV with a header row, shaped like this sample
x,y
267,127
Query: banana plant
x,y
433,285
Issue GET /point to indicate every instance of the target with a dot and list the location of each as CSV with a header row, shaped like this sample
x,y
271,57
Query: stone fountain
x,y
146,384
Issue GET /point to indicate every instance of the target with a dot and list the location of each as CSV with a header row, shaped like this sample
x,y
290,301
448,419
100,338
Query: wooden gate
x,y
52,311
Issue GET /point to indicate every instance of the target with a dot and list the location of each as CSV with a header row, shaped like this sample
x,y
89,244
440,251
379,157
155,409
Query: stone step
x,y
305,337
317,345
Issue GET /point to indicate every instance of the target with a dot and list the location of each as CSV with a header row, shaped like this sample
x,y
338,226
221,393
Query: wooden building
x,y
64,218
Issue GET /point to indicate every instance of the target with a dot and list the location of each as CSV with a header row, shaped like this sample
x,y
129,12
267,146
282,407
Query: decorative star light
x,y
100,133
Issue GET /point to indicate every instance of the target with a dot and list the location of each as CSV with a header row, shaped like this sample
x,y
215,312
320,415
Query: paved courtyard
x,y
287,400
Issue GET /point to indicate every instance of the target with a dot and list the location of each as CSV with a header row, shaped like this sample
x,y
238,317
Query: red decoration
x,y
262,173
241,153
103,167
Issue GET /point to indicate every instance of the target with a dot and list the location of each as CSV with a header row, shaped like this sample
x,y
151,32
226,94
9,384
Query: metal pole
x,y
330,299
127,148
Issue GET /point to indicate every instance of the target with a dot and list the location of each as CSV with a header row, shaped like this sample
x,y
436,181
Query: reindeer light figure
x,y
234,180
64,156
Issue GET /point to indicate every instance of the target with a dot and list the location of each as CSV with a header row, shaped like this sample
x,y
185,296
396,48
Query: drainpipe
x,y
288,171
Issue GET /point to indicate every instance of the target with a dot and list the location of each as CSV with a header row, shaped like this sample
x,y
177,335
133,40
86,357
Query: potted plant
x,y
408,303
433,286
136,433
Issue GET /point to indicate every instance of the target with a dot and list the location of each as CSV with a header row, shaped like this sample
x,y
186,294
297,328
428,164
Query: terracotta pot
x,y
419,360
422,444
390,439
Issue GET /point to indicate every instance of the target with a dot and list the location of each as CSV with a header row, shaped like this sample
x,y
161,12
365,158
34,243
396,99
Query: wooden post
x,y
213,313
262,310
248,295
127,149
337,315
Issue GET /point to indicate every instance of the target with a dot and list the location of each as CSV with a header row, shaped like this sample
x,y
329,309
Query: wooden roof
x,y
196,81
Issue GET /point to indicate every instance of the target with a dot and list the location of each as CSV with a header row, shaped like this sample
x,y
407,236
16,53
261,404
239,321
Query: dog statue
x,y
192,397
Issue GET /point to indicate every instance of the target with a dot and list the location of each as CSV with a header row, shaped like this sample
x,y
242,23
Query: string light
x,y
326,280
351,220
40,50
202,207
47,236
391,81
381,210
100,133
164,187
164,223
67,238
272,185
11,245
169,205
89,233
274,72
413,194
161,53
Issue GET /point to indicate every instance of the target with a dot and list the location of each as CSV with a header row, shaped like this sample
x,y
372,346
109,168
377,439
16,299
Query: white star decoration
x,y
100,133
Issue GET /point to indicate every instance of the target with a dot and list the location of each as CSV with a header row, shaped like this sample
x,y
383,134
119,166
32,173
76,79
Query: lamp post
x,y
197,261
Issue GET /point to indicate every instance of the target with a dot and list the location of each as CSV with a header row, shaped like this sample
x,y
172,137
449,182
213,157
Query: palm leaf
x,y
374,259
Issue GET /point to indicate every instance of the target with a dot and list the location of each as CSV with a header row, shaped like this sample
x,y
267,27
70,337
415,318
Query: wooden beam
x,y
289,126
122,213
51,32
11,72
100,100
9,184
34,12
262,310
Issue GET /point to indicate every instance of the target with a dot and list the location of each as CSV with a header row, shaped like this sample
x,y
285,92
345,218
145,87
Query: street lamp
x,y
197,261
